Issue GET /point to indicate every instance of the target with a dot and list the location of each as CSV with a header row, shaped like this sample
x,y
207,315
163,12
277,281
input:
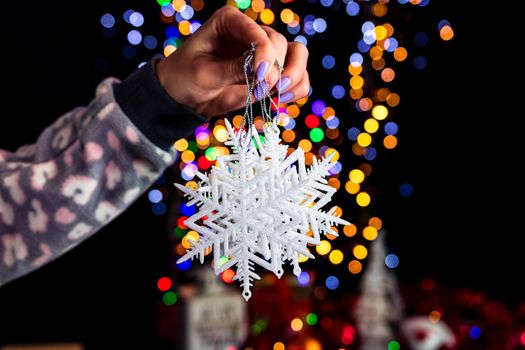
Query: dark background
x,y
458,148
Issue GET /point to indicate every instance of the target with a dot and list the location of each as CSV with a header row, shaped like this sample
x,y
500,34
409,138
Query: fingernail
x,y
250,69
283,84
262,70
260,90
288,96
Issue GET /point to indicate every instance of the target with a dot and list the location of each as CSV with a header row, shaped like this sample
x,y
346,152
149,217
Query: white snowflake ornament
x,y
259,206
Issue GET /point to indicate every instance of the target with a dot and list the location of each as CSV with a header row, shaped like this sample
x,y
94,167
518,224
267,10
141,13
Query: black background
x,y
458,147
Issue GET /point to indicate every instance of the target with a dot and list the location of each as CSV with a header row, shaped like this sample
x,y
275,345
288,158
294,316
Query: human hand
x,y
206,72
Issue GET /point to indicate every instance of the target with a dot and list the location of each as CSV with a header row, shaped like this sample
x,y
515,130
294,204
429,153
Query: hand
x,y
206,72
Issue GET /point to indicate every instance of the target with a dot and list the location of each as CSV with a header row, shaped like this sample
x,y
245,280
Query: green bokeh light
x,y
243,4
169,298
393,345
311,319
316,135
192,146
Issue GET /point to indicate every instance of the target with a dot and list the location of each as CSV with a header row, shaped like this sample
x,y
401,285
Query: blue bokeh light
x,y
406,190
332,282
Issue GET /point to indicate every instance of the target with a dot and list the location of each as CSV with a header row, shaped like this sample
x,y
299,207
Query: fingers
x,y
298,91
295,67
236,25
280,45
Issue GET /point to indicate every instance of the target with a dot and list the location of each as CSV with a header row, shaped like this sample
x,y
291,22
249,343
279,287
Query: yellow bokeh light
x,y
203,143
335,153
185,27
350,230
360,252
390,142
362,199
400,54
168,50
267,16
364,139
370,233
189,239
355,70
380,32
328,113
187,156
336,257
375,222
306,145
357,82
220,133
303,258
355,266
192,185
237,120
375,53
296,324
258,5
181,145
371,125
287,16
293,111
313,344
323,248
288,135
356,176
179,5
380,112
352,187
446,33
278,346
302,101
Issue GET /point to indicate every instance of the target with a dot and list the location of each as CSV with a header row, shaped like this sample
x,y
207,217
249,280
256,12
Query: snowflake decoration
x,y
259,206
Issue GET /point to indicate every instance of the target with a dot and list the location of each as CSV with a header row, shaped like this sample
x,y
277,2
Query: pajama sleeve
x,y
85,169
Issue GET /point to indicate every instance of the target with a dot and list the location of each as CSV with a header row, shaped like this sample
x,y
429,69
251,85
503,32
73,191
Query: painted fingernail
x,y
283,84
262,70
287,96
260,90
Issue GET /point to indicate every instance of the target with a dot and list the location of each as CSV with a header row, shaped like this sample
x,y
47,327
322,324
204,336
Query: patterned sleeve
x,y
83,171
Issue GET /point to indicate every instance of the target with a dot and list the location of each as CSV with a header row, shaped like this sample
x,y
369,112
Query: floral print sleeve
x,y
83,171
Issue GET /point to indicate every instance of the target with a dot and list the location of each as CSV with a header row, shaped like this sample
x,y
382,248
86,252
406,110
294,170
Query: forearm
x,y
83,171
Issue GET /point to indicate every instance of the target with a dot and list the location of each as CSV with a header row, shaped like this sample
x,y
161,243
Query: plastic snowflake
x,y
259,206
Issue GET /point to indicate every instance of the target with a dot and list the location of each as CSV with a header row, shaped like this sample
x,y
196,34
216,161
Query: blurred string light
x,y
369,72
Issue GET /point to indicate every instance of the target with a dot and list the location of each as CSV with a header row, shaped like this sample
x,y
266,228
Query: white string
x,y
266,108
